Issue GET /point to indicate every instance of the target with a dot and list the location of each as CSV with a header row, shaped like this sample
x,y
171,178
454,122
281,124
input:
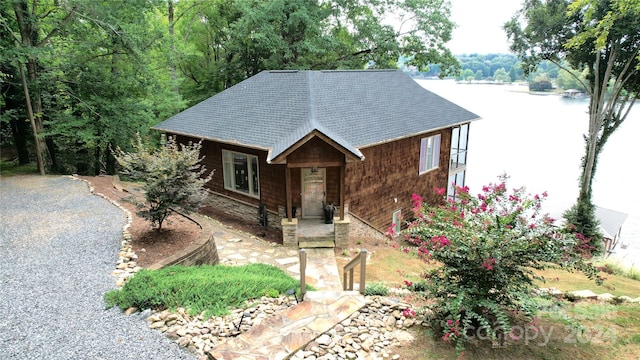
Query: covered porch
x,y
315,210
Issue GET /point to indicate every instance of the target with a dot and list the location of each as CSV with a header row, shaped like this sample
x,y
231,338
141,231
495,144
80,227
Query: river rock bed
x,y
369,333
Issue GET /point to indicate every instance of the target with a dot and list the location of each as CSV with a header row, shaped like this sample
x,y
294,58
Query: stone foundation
x,y
289,232
341,229
361,230
245,211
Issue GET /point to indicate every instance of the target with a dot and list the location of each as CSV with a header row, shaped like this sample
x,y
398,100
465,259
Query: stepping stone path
x,y
588,295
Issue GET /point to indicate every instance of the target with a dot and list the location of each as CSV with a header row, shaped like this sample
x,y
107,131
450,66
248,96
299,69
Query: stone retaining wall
x,y
360,229
202,251
242,210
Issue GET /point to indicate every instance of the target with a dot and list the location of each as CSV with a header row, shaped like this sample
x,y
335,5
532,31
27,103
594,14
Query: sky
x,y
480,25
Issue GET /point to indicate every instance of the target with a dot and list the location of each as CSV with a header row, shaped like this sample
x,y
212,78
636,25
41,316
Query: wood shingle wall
x,y
388,177
272,183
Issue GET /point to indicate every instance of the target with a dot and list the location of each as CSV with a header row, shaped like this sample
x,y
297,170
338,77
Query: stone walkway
x,y
239,248
285,333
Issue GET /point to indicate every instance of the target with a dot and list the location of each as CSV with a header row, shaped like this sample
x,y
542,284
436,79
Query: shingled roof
x,y
273,110
610,221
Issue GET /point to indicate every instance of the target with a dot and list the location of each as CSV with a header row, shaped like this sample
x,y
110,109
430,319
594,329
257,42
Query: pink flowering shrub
x,y
489,246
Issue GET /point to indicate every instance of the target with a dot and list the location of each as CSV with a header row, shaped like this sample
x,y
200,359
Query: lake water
x,y
538,141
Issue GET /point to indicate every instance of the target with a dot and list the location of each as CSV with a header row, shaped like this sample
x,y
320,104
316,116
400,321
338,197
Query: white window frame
x,y
429,153
396,219
228,170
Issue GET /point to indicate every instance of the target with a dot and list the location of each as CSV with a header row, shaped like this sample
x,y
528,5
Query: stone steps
x,y
316,242
292,329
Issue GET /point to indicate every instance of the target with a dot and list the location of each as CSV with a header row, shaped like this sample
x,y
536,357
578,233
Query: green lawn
x,y
392,266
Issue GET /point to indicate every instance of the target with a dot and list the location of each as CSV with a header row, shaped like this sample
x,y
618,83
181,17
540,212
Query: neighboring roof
x,y
610,221
356,108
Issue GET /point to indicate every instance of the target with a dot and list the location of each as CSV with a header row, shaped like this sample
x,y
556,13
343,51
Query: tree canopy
x,y
96,74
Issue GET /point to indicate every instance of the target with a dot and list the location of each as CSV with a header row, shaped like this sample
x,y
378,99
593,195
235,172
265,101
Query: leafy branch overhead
x,y
172,175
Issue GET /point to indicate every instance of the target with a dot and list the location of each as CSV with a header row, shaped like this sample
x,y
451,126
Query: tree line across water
x,y
504,68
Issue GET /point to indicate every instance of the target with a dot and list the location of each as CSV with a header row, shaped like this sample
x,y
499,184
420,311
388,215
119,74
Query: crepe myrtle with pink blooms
x,y
487,248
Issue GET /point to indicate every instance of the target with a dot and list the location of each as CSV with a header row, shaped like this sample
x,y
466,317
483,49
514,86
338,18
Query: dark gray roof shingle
x,y
355,108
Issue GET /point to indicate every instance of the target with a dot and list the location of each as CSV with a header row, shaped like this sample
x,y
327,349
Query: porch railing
x,y
348,269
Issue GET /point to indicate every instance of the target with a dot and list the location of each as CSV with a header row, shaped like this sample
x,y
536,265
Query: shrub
x,y
212,289
172,175
611,266
488,247
376,288
581,219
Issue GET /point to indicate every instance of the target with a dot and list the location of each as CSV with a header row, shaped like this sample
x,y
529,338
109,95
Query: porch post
x,y
342,204
288,191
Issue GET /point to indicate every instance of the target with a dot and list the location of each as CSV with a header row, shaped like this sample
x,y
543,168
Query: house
x,y
611,222
289,145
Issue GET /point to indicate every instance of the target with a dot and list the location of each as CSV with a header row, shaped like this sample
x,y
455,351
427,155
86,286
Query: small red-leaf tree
x,y
172,175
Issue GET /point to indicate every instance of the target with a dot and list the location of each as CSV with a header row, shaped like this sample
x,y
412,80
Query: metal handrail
x,y
359,259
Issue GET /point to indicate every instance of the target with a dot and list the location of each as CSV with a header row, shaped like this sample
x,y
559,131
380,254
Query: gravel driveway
x,y
58,246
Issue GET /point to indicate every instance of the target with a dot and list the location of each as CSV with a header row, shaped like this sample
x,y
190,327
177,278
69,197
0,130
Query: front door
x,y
313,190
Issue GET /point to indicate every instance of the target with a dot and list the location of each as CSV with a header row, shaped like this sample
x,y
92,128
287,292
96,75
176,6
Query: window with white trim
x,y
429,153
241,173
397,221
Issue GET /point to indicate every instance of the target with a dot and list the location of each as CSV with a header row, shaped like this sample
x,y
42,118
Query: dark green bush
x,y
376,288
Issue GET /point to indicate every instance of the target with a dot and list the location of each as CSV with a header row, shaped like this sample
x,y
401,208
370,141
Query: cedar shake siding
x,y
391,171
272,188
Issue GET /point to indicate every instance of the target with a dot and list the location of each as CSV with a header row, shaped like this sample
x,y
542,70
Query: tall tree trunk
x,y
27,22
29,36
588,168
172,56
36,138
596,115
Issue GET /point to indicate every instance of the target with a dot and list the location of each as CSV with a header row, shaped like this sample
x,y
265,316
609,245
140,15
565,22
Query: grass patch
x,y
565,281
9,168
392,266
389,266
376,288
614,267
210,289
